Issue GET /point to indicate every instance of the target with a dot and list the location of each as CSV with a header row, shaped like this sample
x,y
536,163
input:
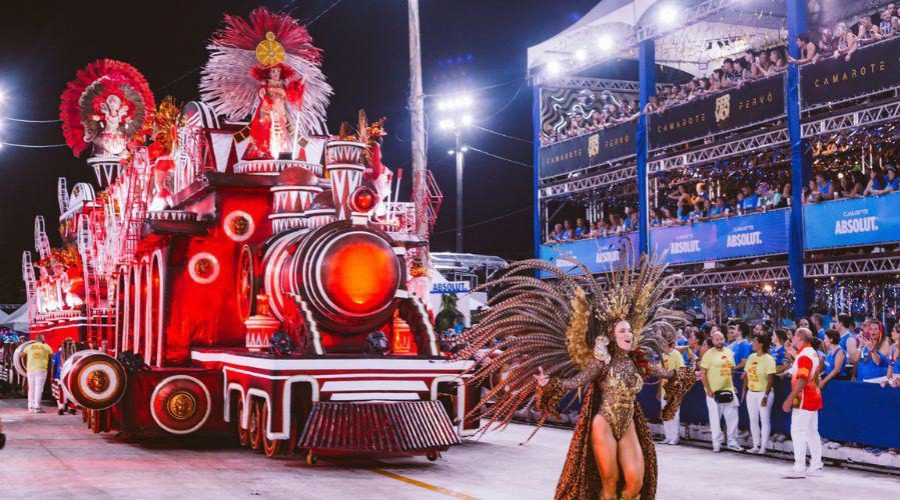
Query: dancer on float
x,y
576,333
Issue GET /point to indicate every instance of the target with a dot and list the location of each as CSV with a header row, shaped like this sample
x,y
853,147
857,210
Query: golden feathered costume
x,y
565,327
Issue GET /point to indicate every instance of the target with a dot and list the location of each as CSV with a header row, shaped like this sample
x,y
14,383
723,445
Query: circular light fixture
x,y
668,14
553,68
239,225
605,43
447,124
363,200
580,55
467,120
203,268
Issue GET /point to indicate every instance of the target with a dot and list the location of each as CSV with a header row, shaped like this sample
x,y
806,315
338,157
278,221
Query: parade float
x,y
255,279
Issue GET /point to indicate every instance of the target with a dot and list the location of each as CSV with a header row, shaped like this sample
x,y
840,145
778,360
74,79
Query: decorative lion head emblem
x,y
723,107
594,145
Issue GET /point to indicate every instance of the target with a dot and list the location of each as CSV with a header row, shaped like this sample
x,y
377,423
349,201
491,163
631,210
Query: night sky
x,y
465,44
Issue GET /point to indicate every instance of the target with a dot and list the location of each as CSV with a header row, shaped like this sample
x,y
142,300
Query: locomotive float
x,y
252,278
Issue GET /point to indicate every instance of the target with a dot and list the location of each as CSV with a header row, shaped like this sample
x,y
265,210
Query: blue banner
x,y
749,235
857,221
600,255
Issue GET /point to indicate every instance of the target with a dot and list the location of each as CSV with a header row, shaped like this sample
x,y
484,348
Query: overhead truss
x,y
588,183
854,119
724,277
720,151
578,82
853,267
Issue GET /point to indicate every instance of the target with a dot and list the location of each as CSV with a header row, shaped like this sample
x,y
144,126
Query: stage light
x,y
668,14
553,68
767,288
447,124
605,43
467,120
464,149
451,152
580,55
465,101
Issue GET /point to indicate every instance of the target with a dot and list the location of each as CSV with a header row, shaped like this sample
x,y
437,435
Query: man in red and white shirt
x,y
804,403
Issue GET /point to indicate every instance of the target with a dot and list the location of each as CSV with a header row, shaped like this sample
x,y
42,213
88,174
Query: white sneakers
x,y
754,450
735,447
799,474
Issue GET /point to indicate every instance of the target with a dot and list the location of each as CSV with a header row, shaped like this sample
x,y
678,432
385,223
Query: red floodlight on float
x,y
363,199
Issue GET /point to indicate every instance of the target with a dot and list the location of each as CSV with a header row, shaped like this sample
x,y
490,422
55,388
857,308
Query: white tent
x,y
18,320
689,44
3,317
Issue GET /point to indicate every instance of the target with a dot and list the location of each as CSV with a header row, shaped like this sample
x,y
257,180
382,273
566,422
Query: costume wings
x,y
553,324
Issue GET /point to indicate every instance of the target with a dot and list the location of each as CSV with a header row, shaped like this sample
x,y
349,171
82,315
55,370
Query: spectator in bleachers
x,y
750,199
555,233
873,361
807,50
891,182
835,358
779,64
850,186
759,377
867,32
845,42
875,184
581,231
824,187
720,209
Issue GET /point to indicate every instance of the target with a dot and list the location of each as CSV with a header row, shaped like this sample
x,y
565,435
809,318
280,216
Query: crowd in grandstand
x,y
842,41
685,207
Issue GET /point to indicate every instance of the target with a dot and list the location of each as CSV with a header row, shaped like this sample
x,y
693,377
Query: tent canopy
x,y
744,24
18,320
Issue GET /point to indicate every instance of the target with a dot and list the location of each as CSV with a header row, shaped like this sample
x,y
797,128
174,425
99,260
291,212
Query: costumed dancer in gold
x,y
601,338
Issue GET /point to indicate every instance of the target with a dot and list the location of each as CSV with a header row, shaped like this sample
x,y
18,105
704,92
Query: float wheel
x,y
311,458
432,456
242,434
271,447
253,426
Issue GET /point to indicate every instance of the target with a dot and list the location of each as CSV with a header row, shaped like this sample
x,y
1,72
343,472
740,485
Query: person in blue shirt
x,y
891,182
835,358
817,325
875,185
849,342
750,199
568,231
580,229
720,209
824,185
778,351
740,346
873,360
894,367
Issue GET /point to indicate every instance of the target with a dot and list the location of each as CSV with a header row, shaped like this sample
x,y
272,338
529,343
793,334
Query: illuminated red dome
x,y
359,274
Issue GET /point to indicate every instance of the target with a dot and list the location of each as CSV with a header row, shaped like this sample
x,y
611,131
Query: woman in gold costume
x,y
601,338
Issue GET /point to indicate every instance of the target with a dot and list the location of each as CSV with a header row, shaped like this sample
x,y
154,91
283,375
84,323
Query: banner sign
x,y
753,103
586,150
451,287
870,69
599,255
749,235
858,221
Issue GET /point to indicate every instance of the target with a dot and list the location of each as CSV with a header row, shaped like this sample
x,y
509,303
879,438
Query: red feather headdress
x,y
89,89
231,78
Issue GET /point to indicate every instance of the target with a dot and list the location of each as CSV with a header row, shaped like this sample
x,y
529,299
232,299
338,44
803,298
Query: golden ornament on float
x,y
269,52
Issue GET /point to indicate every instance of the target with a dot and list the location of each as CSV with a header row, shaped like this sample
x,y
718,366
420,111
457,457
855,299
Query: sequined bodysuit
x,y
619,381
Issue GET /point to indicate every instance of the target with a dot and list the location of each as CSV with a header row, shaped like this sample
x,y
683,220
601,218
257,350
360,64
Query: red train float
x,y
210,234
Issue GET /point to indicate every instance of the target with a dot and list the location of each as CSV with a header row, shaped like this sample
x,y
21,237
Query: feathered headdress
x,y
241,54
554,324
93,84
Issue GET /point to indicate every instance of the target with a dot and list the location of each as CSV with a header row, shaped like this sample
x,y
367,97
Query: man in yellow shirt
x,y
759,376
721,400
672,360
37,357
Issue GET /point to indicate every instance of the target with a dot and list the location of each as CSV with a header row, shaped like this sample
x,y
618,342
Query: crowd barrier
x,y
862,413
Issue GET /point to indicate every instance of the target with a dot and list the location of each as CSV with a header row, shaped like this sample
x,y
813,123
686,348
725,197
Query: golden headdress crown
x,y
269,52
